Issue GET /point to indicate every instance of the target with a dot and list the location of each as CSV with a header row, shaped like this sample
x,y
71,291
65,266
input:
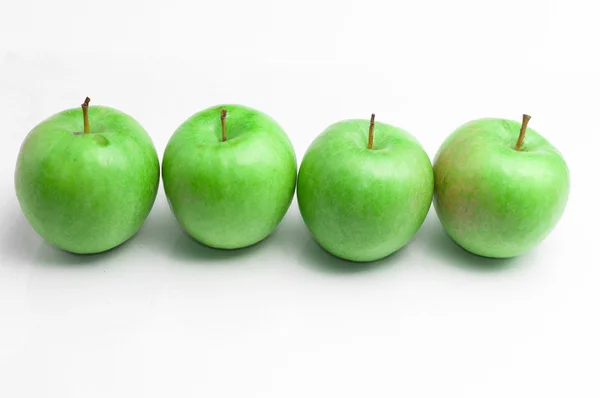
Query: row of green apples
x,y
87,178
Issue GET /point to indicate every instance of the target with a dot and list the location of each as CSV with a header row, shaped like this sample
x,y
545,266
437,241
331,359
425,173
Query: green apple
x,y
229,173
500,187
364,189
87,178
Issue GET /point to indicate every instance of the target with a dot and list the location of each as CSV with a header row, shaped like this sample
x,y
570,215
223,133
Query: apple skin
x,y
234,193
493,200
87,193
364,204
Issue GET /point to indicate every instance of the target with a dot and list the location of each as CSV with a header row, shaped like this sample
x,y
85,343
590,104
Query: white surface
x,y
162,316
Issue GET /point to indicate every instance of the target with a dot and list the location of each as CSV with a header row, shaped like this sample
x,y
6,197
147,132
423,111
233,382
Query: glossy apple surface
x,y
87,193
364,204
230,193
494,200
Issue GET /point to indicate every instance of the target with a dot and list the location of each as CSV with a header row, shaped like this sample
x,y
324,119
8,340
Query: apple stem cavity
x,y
86,120
371,131
223,130
522,132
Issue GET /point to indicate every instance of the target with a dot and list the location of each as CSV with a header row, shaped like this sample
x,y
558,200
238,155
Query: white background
x,y
164,317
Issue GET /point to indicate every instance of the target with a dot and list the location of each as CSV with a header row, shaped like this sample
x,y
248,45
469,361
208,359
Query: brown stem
x,y
371,130
223,130
86,120
522,132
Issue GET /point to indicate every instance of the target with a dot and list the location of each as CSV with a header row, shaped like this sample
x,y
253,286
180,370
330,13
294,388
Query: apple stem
x,y
86,120
371,130
223,130
522,132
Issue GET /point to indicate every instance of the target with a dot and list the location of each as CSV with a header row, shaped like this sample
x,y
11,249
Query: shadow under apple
x,y
440,246
315,257
23,245
187,248
162,234
53,256
311,255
